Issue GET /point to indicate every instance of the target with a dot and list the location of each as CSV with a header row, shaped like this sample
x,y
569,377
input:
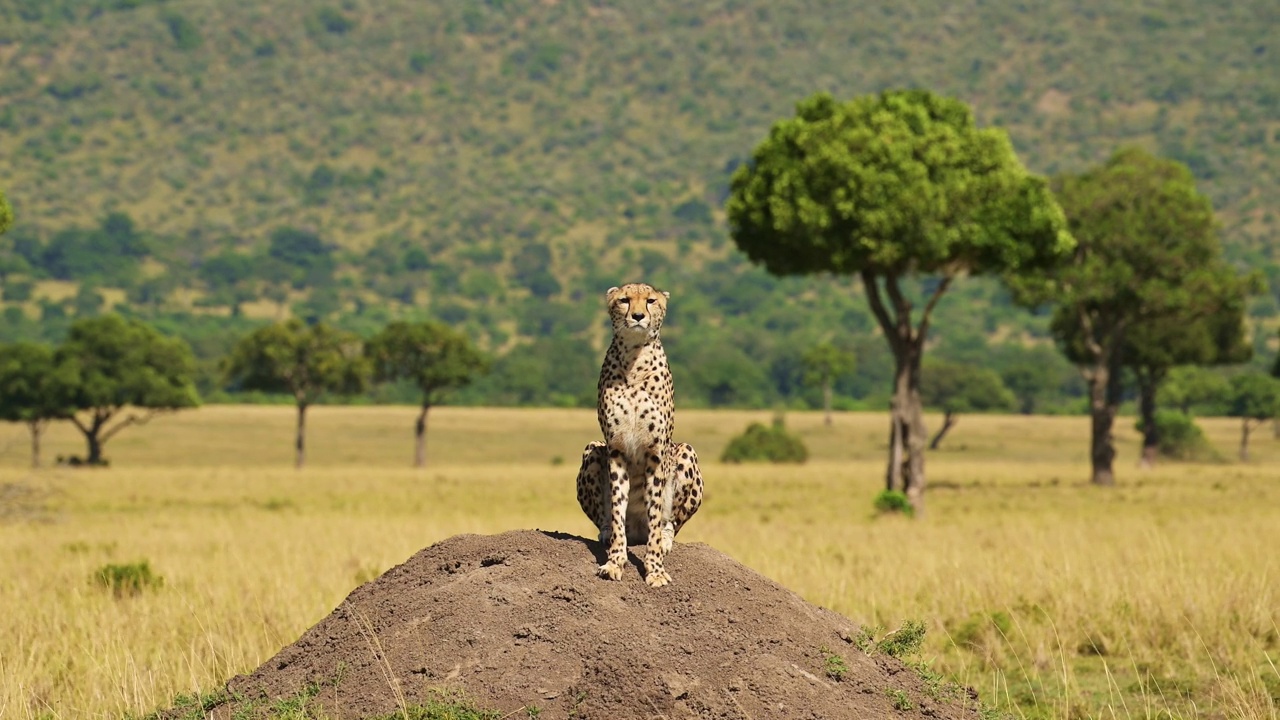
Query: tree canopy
x,y
126,370
1189,385
887,186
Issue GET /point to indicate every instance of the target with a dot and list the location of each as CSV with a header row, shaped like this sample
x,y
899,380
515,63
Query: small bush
x,y
1180,438
893,501
906,640
128,580
331,20
185,34
70,88
420,61
833,664
765,444
900,699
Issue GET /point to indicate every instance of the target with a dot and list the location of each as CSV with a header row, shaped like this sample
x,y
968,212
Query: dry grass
x,y
1156,599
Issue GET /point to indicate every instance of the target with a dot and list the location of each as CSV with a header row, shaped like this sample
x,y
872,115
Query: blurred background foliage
x,y
211,166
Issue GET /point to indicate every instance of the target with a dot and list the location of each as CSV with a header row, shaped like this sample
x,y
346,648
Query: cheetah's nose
x,y
638,316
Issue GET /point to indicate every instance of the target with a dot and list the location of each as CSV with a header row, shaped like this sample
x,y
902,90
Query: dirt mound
x,y
519,620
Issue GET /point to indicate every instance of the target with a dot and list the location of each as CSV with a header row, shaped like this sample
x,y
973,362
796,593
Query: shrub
x,y
893,501
833,664
185,34
1180,438
333,21
127,580
904,641
765,444
72,87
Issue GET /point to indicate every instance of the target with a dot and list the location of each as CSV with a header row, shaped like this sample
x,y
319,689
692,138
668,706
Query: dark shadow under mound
x,y
520,620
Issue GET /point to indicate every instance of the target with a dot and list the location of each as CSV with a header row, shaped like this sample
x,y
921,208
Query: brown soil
x,y
519,620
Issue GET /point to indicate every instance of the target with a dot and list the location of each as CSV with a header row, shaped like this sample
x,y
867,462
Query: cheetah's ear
x,y
666,294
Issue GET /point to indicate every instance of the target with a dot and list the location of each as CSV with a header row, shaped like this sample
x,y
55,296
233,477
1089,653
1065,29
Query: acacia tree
x,y
1147,253
1208,331
1255,399
306,362
956,389
126,371
1188,385
435,357
824,364
887,187
34,389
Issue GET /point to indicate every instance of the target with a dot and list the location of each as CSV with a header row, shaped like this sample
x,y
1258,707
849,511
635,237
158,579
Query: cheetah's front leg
x,y
655,480
619,484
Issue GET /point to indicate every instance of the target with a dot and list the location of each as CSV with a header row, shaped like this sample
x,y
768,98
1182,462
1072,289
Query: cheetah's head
x,y
637,310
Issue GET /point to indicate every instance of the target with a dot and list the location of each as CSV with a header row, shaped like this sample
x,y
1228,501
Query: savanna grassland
x,y
1054,599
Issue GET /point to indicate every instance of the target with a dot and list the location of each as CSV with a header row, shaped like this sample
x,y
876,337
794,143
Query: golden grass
x,y
1052,598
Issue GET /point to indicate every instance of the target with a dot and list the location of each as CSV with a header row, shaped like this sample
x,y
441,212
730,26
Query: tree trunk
x,y
1102,413
1244,440
420,438
893,478
37,429
948,421
1150,433
906,459
95,447
93,437
300,446
907,433
826,402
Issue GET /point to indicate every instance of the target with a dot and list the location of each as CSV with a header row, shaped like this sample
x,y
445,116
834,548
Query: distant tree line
x,y
112,373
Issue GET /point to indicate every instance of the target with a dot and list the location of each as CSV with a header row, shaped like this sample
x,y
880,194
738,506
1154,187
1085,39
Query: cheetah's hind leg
x,y
685,483
593,487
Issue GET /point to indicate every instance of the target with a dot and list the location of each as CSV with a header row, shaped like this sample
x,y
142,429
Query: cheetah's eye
x,y
652,300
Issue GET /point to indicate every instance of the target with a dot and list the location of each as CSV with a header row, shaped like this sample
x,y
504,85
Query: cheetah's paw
x,y
657,577
610,571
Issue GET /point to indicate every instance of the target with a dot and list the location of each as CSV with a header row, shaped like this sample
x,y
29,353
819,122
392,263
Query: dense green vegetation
x,y
210,166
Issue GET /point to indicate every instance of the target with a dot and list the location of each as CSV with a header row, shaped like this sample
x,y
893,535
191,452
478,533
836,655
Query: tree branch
x,y
878,309
1086,332
76,421
929,306
901,305
131,420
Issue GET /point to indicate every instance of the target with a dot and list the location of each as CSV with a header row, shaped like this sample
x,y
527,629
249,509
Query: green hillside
x,y
499,164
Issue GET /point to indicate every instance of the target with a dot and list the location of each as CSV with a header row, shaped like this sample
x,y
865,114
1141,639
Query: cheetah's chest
x,y
635,406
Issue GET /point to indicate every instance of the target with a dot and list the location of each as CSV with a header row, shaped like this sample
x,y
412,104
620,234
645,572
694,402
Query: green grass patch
x,y
127,580
900,700
904,641
891,502
833,665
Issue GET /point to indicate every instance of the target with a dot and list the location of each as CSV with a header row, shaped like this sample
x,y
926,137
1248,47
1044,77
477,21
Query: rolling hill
x,y
494,163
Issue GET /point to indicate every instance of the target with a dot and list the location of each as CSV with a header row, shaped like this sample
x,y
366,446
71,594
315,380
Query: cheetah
x,y
637,486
